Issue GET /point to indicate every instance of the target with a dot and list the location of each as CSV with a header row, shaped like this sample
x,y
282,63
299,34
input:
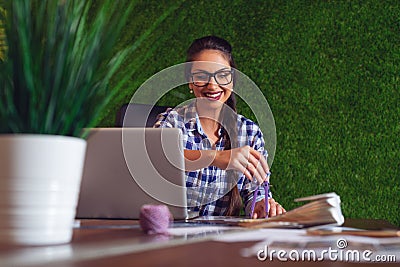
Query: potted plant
x,y
56,62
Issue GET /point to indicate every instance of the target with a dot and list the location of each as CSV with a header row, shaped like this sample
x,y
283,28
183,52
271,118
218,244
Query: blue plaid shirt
x,y
207,187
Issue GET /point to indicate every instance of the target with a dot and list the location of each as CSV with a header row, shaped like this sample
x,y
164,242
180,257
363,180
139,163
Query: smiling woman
x,y
225,159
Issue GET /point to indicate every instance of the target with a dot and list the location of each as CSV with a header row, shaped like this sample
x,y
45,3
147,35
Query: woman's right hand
x,y
246,160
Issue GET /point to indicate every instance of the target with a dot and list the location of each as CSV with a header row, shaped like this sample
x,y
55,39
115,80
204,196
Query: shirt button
x,y
205,144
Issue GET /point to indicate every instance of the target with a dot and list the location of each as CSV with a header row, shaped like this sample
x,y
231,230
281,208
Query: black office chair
x,y
138,115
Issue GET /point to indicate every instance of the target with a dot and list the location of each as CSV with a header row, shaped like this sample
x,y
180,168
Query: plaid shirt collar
x,y
192,121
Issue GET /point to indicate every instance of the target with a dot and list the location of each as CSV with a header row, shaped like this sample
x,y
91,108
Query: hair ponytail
x,y
229,120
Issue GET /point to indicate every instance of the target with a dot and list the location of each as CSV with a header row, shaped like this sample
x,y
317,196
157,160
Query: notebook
x,y
126,168
322,209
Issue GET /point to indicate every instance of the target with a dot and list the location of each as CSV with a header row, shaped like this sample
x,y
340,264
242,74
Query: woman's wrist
x,y
221,159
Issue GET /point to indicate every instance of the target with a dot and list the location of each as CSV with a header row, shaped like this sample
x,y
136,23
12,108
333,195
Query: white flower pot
x,y
40,178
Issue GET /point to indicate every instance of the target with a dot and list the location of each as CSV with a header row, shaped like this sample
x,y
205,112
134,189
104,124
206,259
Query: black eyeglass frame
x,y
209,74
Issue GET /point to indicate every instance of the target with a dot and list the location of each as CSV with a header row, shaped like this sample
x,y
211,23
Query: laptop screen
x,y
126,168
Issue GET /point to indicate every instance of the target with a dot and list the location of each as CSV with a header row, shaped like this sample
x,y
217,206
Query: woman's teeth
x,y
213,95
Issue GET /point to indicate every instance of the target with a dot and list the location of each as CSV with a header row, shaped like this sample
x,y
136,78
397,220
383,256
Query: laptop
x,y
126,168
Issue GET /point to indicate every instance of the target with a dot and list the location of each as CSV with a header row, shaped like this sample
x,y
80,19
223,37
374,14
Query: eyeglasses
x,y
202,78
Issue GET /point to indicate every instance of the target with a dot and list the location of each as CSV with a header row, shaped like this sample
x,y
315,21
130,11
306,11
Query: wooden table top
x,y
122,243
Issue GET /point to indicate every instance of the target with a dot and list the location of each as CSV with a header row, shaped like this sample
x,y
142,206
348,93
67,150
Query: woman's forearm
x,y
243,159
198,159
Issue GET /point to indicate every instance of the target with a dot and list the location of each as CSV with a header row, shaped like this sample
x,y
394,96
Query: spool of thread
x,y
155,219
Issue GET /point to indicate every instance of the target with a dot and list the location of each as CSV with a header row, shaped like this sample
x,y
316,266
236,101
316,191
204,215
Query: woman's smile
x,y
213,96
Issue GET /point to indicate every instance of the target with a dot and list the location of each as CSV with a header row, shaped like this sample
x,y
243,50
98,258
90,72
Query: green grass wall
x,y
330,72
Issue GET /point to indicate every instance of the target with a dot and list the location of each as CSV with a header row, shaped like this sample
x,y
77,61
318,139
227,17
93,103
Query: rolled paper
x,y
155,219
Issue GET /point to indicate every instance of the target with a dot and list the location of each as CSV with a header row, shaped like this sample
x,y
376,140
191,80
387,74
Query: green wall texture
x,y
330,72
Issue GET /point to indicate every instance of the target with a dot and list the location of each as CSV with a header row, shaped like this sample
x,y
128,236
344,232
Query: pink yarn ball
x,y
155,219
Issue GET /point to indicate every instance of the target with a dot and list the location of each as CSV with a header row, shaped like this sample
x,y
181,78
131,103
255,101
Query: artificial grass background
x,y
330,72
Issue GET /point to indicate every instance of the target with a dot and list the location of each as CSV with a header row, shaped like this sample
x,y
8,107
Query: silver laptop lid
x,y
126,168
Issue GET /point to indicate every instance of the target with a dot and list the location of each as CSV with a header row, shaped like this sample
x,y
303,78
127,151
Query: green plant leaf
x,y
61,57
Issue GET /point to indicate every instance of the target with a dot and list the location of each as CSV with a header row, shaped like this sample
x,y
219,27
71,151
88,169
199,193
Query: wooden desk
x,y
122,243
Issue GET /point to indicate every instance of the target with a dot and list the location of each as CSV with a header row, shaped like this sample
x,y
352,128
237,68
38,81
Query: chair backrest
x,y
138,115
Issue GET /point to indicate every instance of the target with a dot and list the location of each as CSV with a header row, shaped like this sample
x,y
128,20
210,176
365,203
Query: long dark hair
x,y
228,115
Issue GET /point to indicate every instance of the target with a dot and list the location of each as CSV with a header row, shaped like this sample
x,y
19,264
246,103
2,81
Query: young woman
x,y
224,152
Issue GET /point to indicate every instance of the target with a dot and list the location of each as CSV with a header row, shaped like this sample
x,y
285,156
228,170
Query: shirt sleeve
x,y
164,120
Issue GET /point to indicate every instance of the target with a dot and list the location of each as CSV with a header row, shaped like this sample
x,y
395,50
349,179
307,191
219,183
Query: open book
x,y
321,209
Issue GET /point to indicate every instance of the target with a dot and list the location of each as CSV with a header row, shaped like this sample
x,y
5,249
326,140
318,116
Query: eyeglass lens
x,y
222,77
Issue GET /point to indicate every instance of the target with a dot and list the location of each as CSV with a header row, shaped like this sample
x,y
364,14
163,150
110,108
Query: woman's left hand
x,y
274,208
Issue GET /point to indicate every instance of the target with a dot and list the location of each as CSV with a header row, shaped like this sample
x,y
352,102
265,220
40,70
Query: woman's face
x,y
212,67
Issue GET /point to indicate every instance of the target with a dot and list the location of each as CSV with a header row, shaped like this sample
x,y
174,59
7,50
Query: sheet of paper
x,y
201,230
261,234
